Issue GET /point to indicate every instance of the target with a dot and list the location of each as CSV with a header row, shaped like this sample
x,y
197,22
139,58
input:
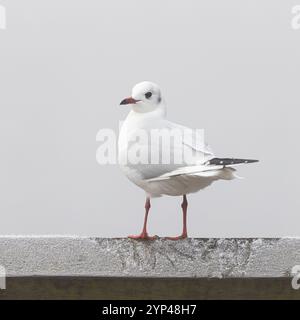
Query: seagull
x,y
199,169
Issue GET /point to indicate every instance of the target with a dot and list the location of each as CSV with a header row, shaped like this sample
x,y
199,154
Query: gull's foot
x,y
182,236
142,236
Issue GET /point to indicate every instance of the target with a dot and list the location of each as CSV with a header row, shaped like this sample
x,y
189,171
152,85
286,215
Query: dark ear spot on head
x,y
148,94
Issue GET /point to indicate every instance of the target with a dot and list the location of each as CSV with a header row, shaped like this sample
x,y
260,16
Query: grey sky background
x,y
231,67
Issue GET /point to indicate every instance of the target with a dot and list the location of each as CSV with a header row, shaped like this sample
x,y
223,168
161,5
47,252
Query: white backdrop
x,y
231,67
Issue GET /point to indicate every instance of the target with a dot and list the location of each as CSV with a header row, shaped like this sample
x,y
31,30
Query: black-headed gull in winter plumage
x,y
197,170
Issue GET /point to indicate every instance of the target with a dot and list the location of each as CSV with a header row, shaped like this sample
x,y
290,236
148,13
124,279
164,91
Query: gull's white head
x,y
145,97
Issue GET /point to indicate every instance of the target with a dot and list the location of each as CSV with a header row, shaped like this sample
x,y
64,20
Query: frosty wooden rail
x,y
55,267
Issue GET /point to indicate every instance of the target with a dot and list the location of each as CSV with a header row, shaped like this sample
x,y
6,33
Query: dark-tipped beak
x,y
129,100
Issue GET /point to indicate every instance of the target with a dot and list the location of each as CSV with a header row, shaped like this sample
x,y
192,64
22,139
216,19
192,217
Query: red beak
x,y
129,100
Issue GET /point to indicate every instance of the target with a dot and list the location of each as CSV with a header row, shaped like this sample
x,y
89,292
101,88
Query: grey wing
x,y
195,140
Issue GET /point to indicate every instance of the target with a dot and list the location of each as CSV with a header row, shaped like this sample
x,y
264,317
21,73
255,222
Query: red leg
x,y
144,234
184,206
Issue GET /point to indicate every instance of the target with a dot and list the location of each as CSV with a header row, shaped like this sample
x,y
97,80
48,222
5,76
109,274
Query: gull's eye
x,y
148,95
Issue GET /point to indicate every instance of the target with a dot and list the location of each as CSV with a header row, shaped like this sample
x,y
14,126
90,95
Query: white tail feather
x,y
217,171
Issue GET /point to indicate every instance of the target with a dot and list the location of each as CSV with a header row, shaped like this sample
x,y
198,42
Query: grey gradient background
x,y
231,67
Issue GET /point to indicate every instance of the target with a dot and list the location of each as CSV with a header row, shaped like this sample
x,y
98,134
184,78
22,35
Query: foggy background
x,y
231,67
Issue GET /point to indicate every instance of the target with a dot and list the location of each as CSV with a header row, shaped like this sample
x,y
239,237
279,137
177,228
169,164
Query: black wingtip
x,y
230,161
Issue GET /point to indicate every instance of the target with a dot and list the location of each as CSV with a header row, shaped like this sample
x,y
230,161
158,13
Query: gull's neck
x,y
157,114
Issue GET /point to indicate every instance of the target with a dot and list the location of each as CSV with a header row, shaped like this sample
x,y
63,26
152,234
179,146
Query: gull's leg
x,y
144,234
184,206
